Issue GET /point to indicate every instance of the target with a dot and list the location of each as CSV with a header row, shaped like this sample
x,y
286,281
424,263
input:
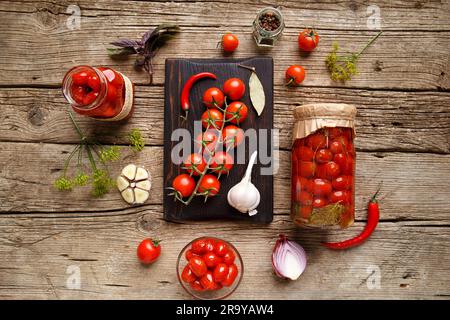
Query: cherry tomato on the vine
x,y
184,184
213,97
234,88
148,250
236,112
212,119
195,164
308,40
232,134
222,162
209,184
229,42
208,140
295,75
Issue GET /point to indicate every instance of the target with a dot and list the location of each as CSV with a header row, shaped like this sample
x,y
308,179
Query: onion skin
x,y
294,248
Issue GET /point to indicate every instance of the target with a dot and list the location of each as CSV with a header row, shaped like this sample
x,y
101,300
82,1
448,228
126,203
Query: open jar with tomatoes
x,y
99,92
323,165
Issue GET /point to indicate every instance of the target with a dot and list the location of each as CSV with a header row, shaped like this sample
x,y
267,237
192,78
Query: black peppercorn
x,y
269,21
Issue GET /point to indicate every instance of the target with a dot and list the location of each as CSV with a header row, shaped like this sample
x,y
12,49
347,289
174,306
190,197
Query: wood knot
x,y
147,223
378,66
46,18
36,116
353,5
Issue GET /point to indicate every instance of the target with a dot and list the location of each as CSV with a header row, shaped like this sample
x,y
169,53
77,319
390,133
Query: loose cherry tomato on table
x,y
148,251
187,275
236,112
234,88
308,40
222,162
229,42
232,135
209,184
220,272
184,184
213,97
194,164
212,119
295,75
198,266
231,276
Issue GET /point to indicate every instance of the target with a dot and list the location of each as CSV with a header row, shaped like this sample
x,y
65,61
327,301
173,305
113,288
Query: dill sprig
x,y
343,68
109,154
136,141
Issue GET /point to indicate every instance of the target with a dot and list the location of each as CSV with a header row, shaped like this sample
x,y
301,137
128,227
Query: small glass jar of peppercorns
x,y
268,26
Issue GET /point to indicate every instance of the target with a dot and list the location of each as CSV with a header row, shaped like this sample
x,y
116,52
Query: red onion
x,y
288,258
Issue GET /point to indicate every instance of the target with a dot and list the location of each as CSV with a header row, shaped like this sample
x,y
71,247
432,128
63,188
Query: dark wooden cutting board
x,y
177,73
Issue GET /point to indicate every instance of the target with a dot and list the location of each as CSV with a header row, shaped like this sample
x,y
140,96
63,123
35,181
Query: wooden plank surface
x,y
403,96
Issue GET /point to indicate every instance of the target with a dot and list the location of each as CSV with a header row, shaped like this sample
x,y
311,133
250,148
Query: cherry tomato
x,y
90,98
332,170
94,83
184,184
232,134
189,254
334,132
231,276
236,112
306,185
321,171
336,147
194,164
323,156
305,198
198,266
229,257
321,187
80,78
220,272
187,275
229,42
213,97
222,162
341,183
196,285
208,140
77,93
308,40
305,153
316,141
212,119
342,197
307,169
221,248
234,88
295,75
341,160
209,184
319,202
349,169
211,259
210,244
148,251
199,246
207,281
305,211
217,286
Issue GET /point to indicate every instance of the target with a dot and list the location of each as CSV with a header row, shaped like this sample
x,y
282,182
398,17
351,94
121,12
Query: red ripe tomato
x,y
341,160
210,244
234,88
321,187
209,184
80,78
305,212
221,248
196,285
184,184
189,254
220,272
236,112
199,246
229,257
212,119
295,75
307,169
321,171
90,98
231,276
334,132
342,197
316,141
217,286
350,167
305,198
308,40
323,156
305,153
207,281
229,42
148,251
187,275
341,183
208,140
232,134
336,147
77,93
222,162
198,266
213,97
332,170
319,202
195,164
211,259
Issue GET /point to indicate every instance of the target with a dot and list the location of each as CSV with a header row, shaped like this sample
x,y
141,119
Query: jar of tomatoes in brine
x,y
98,92
323,165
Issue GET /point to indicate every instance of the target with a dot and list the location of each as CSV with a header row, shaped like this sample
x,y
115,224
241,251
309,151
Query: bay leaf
x,y
257,95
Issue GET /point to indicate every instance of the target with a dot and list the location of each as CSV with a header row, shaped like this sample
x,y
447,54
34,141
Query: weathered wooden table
x,y
49,238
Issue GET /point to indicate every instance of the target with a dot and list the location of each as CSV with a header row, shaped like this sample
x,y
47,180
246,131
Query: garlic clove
x,y
140,196
141,174
145,185
129,171
122,183
128,195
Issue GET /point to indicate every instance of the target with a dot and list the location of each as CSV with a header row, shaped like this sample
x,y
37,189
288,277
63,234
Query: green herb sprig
x,y
136,141
343,68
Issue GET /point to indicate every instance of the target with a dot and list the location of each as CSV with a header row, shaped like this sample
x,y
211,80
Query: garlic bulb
x,y
134,184
244,196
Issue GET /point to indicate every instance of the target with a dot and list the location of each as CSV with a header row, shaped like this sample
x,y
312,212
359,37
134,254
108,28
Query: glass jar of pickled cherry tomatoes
x,y
98,92
323,165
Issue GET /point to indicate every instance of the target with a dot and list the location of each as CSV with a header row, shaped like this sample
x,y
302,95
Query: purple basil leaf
x,y
127,43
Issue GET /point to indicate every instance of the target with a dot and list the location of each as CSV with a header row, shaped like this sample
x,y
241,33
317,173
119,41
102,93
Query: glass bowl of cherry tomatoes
x,y
209,268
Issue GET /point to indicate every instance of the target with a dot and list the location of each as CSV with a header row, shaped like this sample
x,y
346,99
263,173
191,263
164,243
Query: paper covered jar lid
x,y
312,117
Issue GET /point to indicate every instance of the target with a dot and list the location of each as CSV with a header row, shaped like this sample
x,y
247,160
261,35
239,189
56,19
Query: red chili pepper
x,y
373,216
185,105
